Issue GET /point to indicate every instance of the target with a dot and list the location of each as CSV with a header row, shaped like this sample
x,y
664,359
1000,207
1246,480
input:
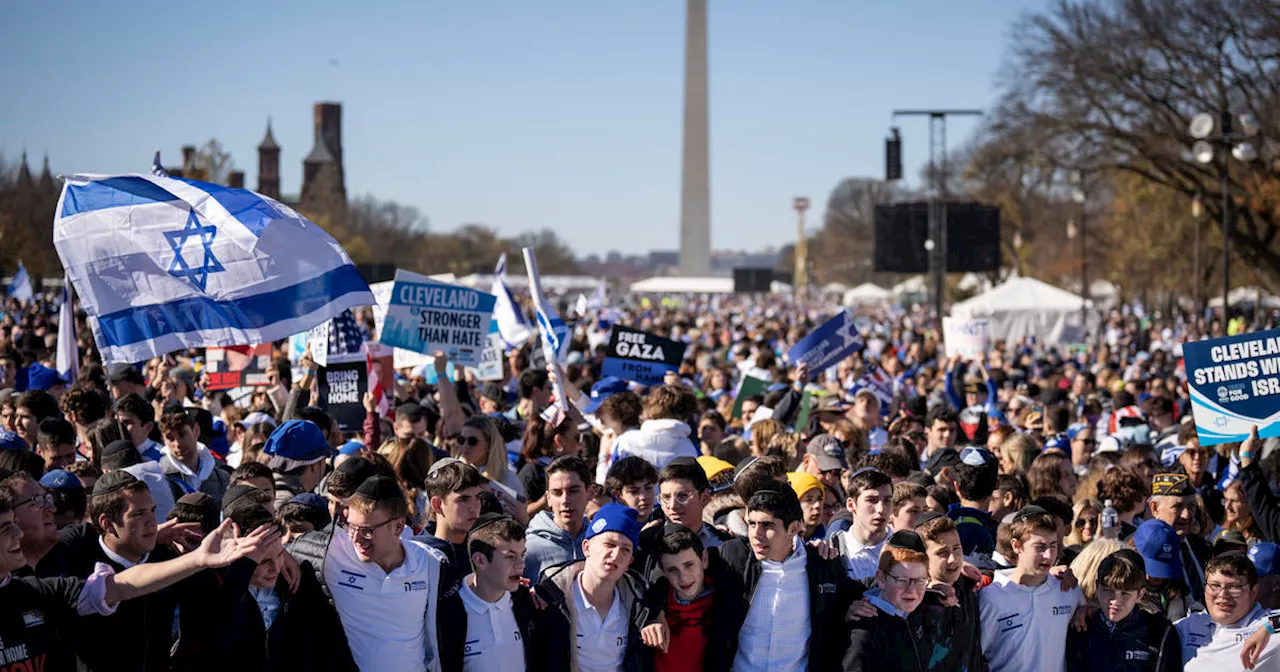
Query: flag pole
x,y
549,348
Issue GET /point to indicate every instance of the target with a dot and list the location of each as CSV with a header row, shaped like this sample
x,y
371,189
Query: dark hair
x,y
941,413
760,474
207,514
1159,406
936,527
688,471
485,540
781,503
976,483
1059,416
251,470
411,413
1123,488
56,432
630,470
172,420
250,516
1014,484
136,405
343,483
318,417
530,380
297,512
452,477
113,504
943,495
715,418
674,542
1057,506
40,403
70,501
22,461
571,464
87,402
1035,522
539,436
867,479
625,407
670,401
1124,571
892,460
1234,564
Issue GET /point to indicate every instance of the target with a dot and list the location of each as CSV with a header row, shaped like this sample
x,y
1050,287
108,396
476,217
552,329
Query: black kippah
x,y
908,540
112,481
379,488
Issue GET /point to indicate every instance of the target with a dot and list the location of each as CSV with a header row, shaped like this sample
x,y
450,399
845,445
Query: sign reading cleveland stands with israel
x,y
1235,383
428,316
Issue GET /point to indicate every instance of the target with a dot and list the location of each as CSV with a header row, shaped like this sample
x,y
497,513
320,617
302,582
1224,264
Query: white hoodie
x,y
657,442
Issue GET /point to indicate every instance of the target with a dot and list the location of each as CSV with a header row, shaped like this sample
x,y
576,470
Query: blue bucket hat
x,y
41,377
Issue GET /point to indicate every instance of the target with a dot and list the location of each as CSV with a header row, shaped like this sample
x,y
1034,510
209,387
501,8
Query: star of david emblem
x,y
1220,421
198,275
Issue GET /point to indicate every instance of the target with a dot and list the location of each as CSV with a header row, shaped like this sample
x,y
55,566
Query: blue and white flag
x,y
68,361
162,263
157,169
512,324
337,341
825,346
20,288
554,333
599,298
876,381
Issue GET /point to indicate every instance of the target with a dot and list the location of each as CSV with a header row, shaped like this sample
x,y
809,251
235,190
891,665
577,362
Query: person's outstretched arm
x,y
215,551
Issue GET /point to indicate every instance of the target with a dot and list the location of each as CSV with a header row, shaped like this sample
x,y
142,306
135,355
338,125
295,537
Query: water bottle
x,y
1109,521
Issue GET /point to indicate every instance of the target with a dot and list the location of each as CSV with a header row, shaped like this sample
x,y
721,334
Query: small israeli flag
x,y
162,264
20,287
512,325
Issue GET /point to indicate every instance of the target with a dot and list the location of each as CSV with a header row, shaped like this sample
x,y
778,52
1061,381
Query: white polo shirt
x,y
389,618
1025,628
859,560
1209,647
602,642
775,635
493,637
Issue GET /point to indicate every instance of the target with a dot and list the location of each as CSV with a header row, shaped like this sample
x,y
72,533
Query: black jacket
x,y
557,624
1266,511
831,591
228,631
452,633
1141,642
949,639
728,609
646,558
885,643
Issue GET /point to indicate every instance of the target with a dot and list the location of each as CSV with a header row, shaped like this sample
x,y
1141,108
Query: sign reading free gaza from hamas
x,y
426,316
1234,384
641,356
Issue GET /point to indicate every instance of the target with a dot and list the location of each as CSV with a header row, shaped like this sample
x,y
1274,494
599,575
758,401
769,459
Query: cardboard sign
x,y
342,388
969,338
491,360
424,316
1234,384
825,346
641,356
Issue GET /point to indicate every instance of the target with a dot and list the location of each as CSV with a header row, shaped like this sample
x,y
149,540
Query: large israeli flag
x,y
512,325
162,263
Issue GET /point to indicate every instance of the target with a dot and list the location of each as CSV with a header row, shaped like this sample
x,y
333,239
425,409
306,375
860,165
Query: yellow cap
x,y
713,465
802,482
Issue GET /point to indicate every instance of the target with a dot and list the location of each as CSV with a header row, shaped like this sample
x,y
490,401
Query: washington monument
x,y
695,182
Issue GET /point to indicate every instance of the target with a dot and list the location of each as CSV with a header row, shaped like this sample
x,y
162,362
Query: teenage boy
x,y
909,501
56,443
453,487
632,481
698,622
975,481
138,418
1173,500
870,498
1120,637
490,624
187,462
950,622
797,600
890,640
556,535
683,492
1215,639
811,494
1024,613
595,607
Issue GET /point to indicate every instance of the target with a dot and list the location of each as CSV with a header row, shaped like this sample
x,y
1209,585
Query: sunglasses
x,y
1082,522
467,440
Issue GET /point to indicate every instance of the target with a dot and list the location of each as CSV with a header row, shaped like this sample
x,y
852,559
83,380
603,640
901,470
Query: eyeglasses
x,y
360,532
1081,522
467,440
43,500
683,497
904,583
1233,589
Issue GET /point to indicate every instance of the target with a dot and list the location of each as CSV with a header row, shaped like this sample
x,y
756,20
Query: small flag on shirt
x,y
162,264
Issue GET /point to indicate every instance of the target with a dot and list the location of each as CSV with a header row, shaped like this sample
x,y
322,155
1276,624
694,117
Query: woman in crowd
x,y
1051,473
412,458
1017,453
1084,524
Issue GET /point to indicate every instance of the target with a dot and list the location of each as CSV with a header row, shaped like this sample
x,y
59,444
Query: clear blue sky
x,y
520,115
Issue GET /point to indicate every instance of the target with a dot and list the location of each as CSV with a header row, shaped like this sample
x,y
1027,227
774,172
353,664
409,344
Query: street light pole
x,y
1197,212
1227,216
801,276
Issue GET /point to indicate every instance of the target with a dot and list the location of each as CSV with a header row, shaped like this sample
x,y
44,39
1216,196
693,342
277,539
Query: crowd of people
x,y
1031,508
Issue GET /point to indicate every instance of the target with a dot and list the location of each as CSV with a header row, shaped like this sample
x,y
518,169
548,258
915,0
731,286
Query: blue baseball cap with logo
x,y
60,479
1263,555
1160,548
603,389
11,441
300,441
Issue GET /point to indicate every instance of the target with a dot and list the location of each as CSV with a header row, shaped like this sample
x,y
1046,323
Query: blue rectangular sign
x,y
825,346
1234,384
427,316
641,356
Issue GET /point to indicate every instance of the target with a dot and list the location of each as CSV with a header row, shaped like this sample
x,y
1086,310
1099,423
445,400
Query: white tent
x,y
834,289
916,284
866,293
1024,307
675,284
1247,295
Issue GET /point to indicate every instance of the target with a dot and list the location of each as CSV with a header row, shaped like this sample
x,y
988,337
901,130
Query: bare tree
x,y
213,161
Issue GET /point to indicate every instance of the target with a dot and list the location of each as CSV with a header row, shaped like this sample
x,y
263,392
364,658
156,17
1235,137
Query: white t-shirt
x,y
1025,628
602,642
389,618
859,560
493,638
1209,647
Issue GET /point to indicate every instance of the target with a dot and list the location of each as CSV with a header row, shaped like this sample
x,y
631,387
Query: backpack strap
x,y
311,550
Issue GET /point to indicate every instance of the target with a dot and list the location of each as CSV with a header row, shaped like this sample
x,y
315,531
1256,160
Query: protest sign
x,y
749,387
336,341
969,338
491,360
641,356
237,366
424,315
341,390
825,346
1234,384
877,381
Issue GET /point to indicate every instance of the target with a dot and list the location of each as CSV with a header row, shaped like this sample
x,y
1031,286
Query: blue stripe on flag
x,y
247,207
200,313
111,193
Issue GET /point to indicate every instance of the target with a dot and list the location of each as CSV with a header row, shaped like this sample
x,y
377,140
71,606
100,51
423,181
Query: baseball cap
x,y
802,482
827,452
1110,444
615,517
60,479
11,441
350,448
1229,540
1263,555
1173,484
603,389
112,481
296,443
1159,546
832,403
125,373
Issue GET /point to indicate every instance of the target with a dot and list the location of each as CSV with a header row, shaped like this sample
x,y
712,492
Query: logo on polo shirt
x,y
826,588
1137,655
32,618
1064,610
411,586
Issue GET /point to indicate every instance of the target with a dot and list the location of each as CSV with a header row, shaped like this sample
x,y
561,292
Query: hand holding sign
x,y
1234,384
